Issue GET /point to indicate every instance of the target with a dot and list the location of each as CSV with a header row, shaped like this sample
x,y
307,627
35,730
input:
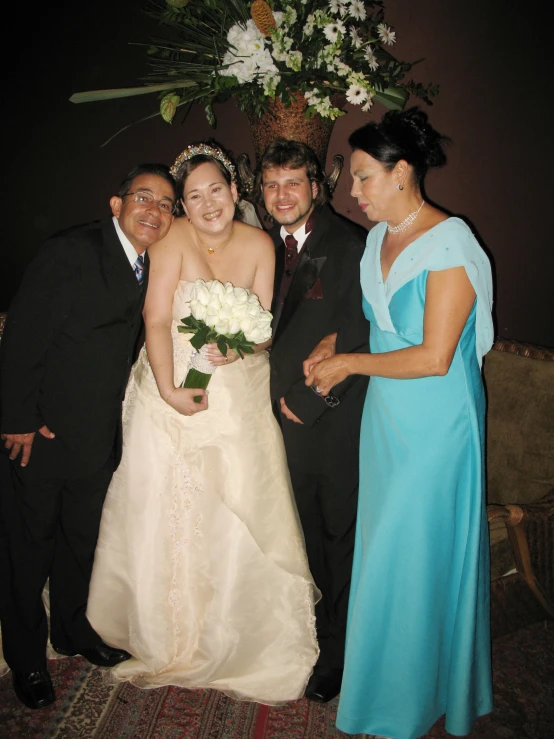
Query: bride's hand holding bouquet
x,y
226,318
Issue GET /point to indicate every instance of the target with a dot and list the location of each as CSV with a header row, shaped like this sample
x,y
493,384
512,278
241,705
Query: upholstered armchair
x,y
520,474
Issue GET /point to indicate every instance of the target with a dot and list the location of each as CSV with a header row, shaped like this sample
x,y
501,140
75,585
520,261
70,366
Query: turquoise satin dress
x,y
418,638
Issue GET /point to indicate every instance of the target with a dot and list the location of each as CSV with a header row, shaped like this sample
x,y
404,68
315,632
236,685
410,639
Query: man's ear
x,y
115,205
315,189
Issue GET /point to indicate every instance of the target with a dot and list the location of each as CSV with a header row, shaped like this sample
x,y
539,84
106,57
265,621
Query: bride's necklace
x,y
213,249
403,225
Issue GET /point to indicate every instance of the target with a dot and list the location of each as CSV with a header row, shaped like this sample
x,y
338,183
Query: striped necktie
x,y
139,269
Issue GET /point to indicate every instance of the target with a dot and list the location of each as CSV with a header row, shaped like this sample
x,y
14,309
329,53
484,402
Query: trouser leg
x,y
328,513
29,509
76,537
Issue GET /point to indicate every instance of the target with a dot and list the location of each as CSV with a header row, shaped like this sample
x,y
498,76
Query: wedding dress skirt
x,y
200,570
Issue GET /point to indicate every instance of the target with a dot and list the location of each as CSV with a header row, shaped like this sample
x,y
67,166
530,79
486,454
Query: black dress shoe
x,y
34,689
324,684
102,655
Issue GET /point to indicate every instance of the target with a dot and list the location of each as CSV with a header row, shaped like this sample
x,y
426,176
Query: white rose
x,y
234,326
216,288
253,298
228,298
229,288
226,311
240,311
201,292
264,319
197,310
214,305
222,326
254,310
241,294
256,335
247,325
211,318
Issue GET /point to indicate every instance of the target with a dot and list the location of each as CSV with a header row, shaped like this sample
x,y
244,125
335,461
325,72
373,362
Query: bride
x,y
200,570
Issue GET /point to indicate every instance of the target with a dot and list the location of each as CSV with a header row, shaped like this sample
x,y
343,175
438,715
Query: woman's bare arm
x,y
448,303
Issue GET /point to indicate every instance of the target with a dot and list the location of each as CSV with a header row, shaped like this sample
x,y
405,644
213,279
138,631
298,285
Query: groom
x,y
317,293
64,363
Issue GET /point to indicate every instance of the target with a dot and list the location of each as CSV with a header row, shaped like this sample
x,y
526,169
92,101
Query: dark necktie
x,y
139,269
292,257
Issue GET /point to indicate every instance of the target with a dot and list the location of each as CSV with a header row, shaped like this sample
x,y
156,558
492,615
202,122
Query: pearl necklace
x,y
403,225
212,249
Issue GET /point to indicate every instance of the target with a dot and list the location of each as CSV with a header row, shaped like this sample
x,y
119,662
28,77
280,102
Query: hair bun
x,y
411,129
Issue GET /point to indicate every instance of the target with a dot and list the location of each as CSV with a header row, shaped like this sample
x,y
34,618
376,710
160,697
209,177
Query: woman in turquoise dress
x,y
418,638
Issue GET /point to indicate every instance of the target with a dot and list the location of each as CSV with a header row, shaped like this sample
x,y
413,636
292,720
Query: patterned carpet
x,y
88,709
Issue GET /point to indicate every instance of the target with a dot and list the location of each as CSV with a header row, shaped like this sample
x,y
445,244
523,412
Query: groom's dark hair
x,y
292,154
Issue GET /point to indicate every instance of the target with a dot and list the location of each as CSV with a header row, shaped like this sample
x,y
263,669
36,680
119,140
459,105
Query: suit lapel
x,y
311,262
117,265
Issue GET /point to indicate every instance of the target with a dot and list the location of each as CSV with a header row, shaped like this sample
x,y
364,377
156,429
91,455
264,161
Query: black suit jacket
x,y
67,349
331,255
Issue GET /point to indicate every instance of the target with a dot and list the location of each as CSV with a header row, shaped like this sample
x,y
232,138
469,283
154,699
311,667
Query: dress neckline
x,y
405,249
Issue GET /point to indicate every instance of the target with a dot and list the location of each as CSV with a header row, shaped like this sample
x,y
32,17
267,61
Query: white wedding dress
x,y
200,570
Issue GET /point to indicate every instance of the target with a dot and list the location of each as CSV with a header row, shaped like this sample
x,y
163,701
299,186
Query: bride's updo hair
x,y
402,134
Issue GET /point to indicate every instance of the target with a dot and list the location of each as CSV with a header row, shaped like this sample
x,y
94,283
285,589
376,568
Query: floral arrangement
x,y
257,51
231,317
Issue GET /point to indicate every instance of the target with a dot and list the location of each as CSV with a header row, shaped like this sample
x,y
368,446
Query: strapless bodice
x,y
181,299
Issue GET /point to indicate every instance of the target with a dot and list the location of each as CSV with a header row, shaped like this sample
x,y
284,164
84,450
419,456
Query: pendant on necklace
x,y
210,250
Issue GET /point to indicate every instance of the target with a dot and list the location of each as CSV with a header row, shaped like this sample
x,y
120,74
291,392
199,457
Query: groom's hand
x,y
23,443
286,411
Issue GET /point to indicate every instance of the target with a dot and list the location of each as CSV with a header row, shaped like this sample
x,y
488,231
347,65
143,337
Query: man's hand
x,y
286,411
23,443
328,373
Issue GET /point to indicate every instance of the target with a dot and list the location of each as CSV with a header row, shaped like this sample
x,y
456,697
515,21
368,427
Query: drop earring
x,y
399,186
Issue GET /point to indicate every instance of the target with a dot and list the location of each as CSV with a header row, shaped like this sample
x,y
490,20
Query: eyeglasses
x,y
143,197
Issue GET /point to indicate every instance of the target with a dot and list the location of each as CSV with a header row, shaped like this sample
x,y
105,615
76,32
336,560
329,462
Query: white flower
x,y
369,103
335,6
342,69
222,326
247,324
332,30
211,319
234,326
240,310
216,288
294,60
214,306
356,38
197,310
201,292
386,35
289,18
357,10
371,59
278,15
256,335
356,94
241,295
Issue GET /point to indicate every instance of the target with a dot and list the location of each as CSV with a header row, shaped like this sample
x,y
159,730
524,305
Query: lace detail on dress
x,y
184,493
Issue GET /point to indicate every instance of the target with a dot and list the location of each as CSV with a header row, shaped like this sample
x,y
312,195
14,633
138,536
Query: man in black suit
x,y
317,293
65,359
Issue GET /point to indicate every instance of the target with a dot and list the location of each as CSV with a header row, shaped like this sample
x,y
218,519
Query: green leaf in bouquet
x,y
222,345
199,339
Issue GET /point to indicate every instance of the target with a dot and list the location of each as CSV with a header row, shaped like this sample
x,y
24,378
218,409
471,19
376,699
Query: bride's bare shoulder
x,y
253,237
178,238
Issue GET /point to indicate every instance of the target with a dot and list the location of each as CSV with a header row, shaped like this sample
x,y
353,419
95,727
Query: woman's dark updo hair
x,y
402,134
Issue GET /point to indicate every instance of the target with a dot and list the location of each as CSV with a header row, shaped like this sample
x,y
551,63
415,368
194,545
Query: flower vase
x,y
200,372
291,123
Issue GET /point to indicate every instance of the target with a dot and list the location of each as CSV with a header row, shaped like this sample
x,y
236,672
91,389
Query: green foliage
x,y
204,334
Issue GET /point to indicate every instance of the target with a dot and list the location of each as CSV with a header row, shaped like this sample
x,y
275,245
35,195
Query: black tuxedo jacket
x,y
324,297
67,349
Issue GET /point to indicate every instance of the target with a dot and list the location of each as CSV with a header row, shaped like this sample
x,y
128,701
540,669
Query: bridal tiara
x,y
195,149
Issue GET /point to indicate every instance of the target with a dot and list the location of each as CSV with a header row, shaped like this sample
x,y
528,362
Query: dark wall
x,y
489,57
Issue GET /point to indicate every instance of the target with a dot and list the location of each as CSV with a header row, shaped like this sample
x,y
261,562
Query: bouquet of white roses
x,y
228,316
